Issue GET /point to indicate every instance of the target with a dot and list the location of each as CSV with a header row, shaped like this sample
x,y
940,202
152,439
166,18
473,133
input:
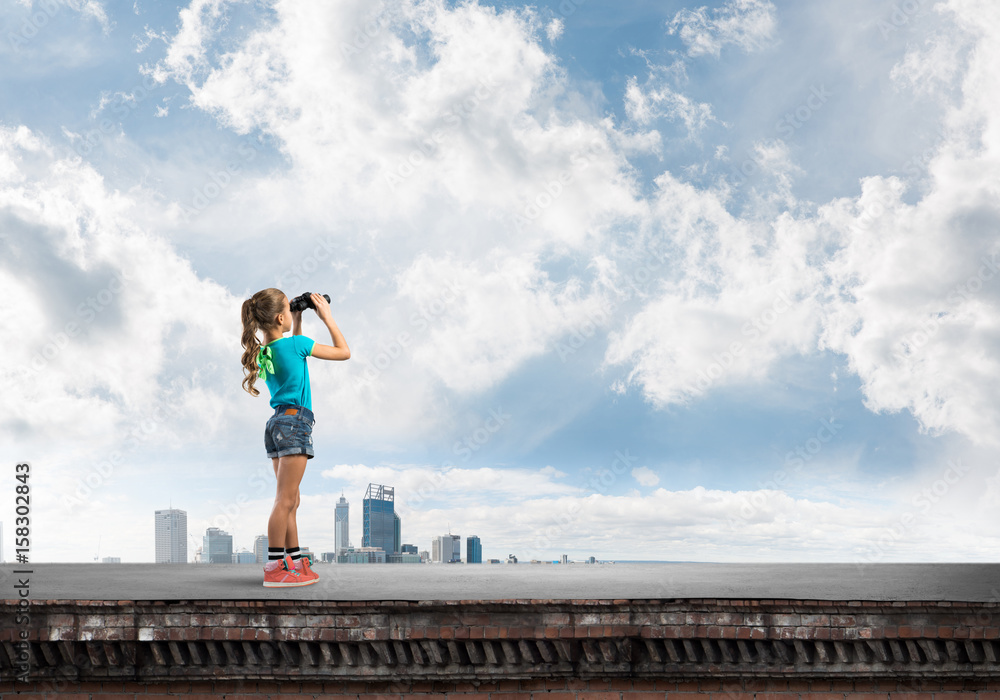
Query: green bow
x,y
264,362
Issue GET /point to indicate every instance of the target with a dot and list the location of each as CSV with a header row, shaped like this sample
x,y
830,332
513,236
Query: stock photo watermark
x,y
99,476
924,500
388,352
122,105
364,33
902,13
473,442
553,189
795,461
86,313
218,180
300,272
913,341
604,479
636,281
753,330
430,146
786,126
40,18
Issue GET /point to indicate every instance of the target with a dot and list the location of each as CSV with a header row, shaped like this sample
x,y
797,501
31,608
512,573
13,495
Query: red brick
x,y
644,684
532,684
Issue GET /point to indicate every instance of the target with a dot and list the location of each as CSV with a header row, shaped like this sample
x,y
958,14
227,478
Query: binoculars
x,y
304,301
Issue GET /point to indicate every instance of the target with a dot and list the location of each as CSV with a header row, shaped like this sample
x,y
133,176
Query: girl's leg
x,y
292,528
289,474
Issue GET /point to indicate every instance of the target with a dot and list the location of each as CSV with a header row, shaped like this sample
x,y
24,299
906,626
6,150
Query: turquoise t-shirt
x,y
289,384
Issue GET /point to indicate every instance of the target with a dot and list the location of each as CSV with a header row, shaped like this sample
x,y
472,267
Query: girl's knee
x,y
285,503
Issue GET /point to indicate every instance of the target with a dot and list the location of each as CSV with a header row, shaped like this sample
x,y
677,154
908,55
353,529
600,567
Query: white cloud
x,y
504,311
742,295
749,24
645,476
554,29
655,101
916,287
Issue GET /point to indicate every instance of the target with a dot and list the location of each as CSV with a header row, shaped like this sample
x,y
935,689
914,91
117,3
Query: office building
x,y
341,534
244,557
260,549
396,528
378,527
361,555
171,536
217,547
473,550
447,549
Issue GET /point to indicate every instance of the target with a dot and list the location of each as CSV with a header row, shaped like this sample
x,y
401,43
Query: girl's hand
x,y
322,306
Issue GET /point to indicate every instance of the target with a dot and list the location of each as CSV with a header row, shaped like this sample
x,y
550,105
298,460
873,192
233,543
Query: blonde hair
x,y
259,312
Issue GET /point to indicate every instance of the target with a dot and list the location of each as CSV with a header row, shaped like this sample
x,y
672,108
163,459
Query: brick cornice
x,y
154,640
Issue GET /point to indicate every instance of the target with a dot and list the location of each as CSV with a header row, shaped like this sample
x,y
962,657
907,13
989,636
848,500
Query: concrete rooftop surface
x,y
970,582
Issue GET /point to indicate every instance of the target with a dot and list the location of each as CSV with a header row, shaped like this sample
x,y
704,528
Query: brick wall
x,y
552,648
524,689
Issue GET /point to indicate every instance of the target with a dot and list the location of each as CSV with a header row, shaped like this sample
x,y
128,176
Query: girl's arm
x,y
339,349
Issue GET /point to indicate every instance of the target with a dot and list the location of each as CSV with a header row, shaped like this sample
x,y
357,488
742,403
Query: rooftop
x,y
969,582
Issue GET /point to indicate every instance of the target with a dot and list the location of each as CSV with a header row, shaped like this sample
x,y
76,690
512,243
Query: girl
x,y
281,363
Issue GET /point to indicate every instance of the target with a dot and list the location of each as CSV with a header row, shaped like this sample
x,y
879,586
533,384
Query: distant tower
x,y
260,549
396,527
473,550
217,547
378,525
171,536
341,534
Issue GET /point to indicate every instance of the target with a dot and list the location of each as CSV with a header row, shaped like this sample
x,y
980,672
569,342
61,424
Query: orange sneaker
x,y
278,574
302,566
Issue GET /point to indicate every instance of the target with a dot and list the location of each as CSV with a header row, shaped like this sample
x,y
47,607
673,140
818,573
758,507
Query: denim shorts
x,y
289,433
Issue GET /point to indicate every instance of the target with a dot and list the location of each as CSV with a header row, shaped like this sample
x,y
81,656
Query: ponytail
x,y
258,313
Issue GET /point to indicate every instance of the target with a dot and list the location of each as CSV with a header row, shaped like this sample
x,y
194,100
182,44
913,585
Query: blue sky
x,y
621,194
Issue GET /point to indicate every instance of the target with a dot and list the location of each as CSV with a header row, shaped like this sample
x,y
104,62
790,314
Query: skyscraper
x,y
217,547
260,549
341,534
473,550
378,525
447,548
396,527
171,536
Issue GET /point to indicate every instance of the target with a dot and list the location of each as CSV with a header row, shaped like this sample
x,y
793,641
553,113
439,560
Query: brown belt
x,y
291,411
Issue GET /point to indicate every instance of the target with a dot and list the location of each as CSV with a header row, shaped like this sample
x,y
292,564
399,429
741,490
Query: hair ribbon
x,y
264,362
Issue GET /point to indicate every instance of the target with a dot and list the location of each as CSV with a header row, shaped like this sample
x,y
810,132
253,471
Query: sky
x,y
632,280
